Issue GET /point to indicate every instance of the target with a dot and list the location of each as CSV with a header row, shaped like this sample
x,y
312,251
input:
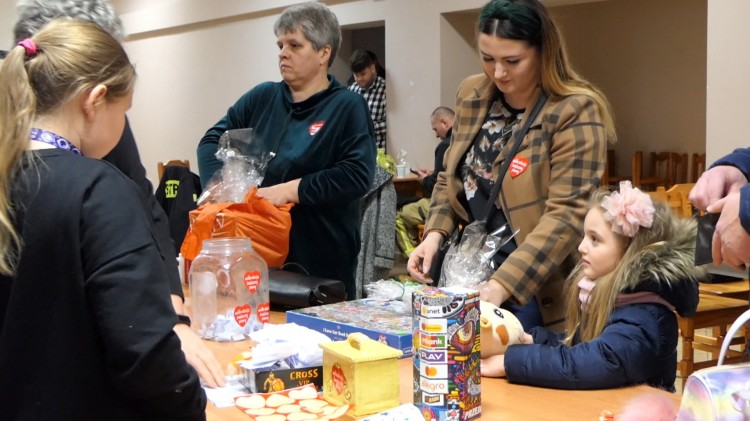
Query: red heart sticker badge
x,y
518,165
264,312
315,127
252,281
242,314
338,377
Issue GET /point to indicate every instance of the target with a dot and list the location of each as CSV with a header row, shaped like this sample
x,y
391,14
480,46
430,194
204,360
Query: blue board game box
x,y
389,322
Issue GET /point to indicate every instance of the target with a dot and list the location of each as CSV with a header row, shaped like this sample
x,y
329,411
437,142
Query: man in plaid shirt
x,y
367,82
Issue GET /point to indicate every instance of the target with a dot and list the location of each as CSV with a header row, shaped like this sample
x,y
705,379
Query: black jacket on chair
x,y
178,193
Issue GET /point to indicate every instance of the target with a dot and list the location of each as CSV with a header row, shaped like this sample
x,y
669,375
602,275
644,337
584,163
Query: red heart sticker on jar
x,y
264,312
252,281
242,314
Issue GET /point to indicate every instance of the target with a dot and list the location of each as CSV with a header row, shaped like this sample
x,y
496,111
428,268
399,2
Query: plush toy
x,y
498,329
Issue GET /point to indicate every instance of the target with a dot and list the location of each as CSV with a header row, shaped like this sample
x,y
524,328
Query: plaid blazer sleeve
x,y
567,159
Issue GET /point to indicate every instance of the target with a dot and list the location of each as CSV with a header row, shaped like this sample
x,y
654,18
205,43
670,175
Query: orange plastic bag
x,y
266,225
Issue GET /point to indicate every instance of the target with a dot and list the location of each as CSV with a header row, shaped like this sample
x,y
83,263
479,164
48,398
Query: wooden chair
x,y
609,178
697,166
716,313
677,198
641,180
665,169
180,162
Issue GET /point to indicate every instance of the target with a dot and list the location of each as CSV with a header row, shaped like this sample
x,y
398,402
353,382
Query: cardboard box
x,y
447,358
274,379
389,322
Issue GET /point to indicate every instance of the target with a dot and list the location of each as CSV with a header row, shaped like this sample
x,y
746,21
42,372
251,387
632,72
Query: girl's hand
x,y
421,259
493,366
527,339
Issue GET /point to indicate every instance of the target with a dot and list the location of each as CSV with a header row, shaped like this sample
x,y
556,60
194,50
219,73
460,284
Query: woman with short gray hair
x,y
322,137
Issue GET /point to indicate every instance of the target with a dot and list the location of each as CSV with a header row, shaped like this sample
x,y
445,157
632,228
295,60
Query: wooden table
x,y
501,400
408,186
733,289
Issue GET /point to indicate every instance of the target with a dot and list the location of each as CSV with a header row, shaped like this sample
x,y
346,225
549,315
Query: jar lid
x,y
227,245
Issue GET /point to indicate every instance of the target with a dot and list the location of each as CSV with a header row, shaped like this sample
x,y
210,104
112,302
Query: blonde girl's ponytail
x,y
17,111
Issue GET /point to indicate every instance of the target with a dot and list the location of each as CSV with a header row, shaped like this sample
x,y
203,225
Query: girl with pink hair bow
x,y
636,274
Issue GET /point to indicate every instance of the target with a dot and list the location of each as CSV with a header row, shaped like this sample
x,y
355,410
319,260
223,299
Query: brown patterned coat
x,y
566,152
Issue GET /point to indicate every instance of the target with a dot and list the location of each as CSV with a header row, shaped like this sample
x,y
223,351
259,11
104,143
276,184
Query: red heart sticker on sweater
x,y
242,314
315,127
518,165
252,280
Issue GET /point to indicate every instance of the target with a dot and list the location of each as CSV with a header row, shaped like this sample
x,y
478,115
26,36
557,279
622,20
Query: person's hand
x,y
281,194
423,173
493,366
421,259
527,339
199,357
494,292
730,243
715,184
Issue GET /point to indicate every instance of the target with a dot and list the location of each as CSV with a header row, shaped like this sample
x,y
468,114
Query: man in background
x,y
32,15
413,214
364,66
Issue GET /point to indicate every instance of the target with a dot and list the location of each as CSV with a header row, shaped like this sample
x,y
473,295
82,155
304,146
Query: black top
x,y
86,322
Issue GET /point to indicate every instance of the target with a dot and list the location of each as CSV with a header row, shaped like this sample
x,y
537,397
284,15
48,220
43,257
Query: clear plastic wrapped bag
x,y
245,161
469,262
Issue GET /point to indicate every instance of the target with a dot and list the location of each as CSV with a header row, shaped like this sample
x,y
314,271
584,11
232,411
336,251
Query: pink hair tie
x,y
29,46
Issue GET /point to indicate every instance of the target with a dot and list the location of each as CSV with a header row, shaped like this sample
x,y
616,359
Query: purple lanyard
x,y
54,140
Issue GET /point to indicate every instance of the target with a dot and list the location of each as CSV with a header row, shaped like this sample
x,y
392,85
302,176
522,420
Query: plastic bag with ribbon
x,y
245,161
468,263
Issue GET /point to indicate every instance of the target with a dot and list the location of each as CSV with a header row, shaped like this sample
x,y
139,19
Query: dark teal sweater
x,y
327,141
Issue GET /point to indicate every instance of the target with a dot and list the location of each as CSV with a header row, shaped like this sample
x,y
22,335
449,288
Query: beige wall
x,y
195,58
649,58
728,80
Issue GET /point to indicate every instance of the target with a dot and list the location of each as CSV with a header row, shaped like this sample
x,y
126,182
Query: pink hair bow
x,y
628,210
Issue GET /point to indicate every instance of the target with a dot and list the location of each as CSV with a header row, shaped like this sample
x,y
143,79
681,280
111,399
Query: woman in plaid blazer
x,y
559,163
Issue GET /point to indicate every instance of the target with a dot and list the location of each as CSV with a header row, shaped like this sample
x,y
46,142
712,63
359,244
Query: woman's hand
x,y
421,259
281,194
494,292
493,366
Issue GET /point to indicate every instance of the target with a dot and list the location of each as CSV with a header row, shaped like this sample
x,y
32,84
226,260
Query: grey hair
x,y
33,14
316,22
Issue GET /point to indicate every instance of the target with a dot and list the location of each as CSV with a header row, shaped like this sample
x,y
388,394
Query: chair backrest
x,y
697,166
676,197
670,167
180,162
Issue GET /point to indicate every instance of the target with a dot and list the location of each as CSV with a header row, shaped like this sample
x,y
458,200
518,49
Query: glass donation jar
x,y
228,290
